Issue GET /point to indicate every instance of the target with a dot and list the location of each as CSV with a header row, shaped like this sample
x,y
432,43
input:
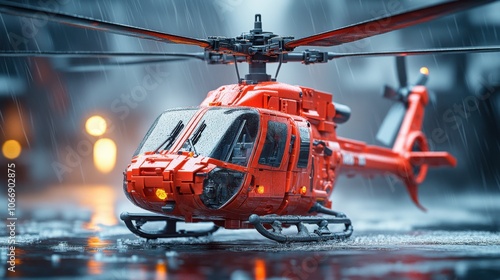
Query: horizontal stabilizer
x,y
432,159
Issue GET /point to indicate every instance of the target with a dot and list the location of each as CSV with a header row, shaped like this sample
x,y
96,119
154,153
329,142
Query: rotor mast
x,y
257,62
257,73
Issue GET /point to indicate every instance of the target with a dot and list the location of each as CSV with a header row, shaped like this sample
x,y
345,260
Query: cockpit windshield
x,y
225,134
165,130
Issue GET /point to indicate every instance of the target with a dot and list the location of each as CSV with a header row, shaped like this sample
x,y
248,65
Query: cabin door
x,y
270,166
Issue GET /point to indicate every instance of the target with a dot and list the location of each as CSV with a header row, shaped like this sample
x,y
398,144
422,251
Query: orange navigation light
x,y
303,190
161,194
260,189
424,71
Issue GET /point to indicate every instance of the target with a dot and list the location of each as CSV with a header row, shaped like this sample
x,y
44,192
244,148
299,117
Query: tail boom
x,y
409,158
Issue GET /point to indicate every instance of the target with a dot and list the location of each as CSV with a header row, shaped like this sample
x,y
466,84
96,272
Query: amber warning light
x,y
161,194
260,189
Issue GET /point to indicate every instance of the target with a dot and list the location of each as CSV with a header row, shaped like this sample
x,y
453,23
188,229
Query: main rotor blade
x,y
384,24
91,54
332,55
108,65
111,61
100,25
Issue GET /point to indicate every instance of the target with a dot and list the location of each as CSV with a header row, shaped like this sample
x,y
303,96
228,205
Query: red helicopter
x,y
263,154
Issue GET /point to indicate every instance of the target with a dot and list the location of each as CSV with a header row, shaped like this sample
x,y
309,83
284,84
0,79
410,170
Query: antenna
x,y
257,26
236,67
279,67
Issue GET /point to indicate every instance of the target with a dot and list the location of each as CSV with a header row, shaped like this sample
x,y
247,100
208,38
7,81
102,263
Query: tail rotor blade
x,y
433,97
391,124
391,93
401,68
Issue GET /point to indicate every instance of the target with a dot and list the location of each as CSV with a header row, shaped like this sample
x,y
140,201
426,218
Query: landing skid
x,y
322,233
135,222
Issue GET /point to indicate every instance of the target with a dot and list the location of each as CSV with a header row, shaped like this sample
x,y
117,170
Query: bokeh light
x,y
105,155
11,149
96,125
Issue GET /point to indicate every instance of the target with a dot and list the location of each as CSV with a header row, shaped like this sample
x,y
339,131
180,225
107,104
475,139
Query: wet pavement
x,y
83,243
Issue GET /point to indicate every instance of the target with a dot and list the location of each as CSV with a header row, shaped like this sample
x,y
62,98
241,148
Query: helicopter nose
x,y
156,182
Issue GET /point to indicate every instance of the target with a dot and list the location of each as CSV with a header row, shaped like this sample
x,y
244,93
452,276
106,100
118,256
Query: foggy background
x,y
44,103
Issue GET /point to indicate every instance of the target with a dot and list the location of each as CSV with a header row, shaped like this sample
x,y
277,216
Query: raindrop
x,y
55,259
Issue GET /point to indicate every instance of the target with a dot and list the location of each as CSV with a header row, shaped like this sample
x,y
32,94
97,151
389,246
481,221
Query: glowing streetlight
x,y
105,155
96,125
11,149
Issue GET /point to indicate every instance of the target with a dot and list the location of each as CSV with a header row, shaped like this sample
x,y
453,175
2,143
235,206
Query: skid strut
x,y
134,222
322,233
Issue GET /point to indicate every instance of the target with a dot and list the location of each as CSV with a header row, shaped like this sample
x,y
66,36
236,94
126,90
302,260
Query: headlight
x,y
220,187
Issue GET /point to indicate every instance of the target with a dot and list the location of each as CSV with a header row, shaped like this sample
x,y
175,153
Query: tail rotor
x,y
392,122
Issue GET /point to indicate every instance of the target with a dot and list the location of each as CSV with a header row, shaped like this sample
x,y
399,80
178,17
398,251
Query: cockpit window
x,y
167,127
274,147
225,134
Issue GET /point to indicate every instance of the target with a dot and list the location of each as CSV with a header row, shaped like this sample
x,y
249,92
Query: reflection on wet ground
x,y
377,255
86,241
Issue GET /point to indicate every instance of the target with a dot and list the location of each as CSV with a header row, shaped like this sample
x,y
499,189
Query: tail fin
x,y
410,143
416,169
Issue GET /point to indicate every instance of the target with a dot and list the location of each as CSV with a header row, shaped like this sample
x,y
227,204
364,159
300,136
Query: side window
x,y
243,140
274,146
305,141
243,146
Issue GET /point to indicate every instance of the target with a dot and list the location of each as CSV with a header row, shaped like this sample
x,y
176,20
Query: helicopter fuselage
x,y
267,148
